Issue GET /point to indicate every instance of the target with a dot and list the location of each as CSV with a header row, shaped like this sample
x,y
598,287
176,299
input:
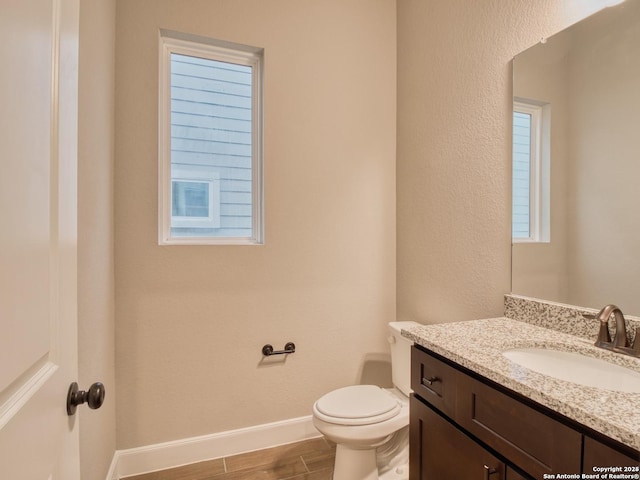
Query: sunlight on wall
x,y
575,10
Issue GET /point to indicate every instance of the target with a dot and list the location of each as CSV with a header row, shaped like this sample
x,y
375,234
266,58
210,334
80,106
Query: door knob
x,y
94,397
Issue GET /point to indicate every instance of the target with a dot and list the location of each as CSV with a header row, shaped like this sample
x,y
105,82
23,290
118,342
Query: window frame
x,y
539,221
201,47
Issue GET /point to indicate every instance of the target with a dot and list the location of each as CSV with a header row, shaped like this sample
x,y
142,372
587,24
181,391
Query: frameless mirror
x,y
580,237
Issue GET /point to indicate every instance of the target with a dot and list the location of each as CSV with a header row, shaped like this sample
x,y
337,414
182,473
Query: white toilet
x,y
369,424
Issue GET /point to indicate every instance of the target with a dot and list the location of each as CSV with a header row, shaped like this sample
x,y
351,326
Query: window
x,y
210,142
530,185
195,198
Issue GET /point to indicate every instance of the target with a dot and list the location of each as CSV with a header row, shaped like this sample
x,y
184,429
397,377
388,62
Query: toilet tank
x,y
401,356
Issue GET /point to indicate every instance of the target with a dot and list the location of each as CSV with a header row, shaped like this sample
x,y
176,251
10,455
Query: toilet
x,y
369,424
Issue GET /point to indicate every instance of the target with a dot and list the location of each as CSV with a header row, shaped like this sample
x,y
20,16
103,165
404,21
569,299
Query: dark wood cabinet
x,y
465,427
532,440
513,475
598,455
439,450
434,381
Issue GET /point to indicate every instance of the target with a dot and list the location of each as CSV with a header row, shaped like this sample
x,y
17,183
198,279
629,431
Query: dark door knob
x,y
94,397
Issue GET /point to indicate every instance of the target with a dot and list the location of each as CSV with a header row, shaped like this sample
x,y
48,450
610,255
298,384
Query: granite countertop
x,y
478,346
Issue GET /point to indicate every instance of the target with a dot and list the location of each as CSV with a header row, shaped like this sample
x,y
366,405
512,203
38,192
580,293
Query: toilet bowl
x,y
369,424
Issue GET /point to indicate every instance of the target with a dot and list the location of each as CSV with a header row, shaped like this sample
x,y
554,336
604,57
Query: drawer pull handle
x,y
430,381
488,471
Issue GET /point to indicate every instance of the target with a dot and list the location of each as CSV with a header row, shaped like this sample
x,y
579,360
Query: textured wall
x,y
191,320
454,148
95,232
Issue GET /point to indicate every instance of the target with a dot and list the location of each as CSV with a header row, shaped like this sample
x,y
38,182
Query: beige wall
x,y
454,148
95,232
605,220
541,73
191,320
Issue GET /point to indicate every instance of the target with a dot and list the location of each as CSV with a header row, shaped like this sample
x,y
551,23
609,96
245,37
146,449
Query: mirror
x,y
586,82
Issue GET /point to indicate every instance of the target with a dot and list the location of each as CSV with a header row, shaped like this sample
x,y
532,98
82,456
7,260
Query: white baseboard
x,y
135,461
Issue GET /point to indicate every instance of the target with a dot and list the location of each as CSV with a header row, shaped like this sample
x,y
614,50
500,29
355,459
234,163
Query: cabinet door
x,y
533,441
439,451
597,455
513,475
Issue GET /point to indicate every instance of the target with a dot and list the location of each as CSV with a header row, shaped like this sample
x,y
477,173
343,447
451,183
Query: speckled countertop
x,y
478,346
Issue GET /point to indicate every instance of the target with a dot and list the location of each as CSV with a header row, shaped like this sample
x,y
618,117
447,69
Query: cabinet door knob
x,y
488,471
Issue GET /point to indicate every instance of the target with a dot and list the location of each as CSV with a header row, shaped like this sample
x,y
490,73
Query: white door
x,y
38,306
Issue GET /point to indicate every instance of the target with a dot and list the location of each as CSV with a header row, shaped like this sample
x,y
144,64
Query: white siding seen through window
x,y
521,174
531,172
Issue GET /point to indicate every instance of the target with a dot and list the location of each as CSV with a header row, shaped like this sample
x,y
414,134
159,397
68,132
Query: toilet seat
x,y
357,405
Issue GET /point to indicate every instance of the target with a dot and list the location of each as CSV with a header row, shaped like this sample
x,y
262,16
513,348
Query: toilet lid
x,y
358,404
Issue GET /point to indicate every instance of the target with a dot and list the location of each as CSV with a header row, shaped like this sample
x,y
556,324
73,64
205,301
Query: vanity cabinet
x,y
442,451
597,454
463,427
532,440
513,475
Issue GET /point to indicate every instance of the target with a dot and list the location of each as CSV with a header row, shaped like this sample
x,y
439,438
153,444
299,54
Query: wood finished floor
x,y
309,460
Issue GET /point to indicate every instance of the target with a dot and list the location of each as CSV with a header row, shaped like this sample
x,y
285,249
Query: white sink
x,y
576,368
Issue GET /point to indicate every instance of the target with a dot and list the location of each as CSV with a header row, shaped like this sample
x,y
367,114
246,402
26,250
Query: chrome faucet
x,y
620,342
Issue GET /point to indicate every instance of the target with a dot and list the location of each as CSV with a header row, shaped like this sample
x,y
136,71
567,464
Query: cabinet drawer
x,y
434,381
530,439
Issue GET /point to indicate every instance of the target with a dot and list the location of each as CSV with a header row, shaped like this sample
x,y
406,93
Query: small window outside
x,y
530,185
195,198
210,180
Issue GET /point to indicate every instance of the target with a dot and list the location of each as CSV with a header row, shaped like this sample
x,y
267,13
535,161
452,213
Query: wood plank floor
x,y
309,460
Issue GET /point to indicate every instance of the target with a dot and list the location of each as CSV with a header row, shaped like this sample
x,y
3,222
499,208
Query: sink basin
x,y
576,368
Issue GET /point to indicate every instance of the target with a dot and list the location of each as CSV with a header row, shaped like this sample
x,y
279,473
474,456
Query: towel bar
x,y
268,350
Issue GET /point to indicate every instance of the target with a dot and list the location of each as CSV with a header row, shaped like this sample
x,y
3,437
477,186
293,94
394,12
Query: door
x,y
438,450
38,306
598,454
